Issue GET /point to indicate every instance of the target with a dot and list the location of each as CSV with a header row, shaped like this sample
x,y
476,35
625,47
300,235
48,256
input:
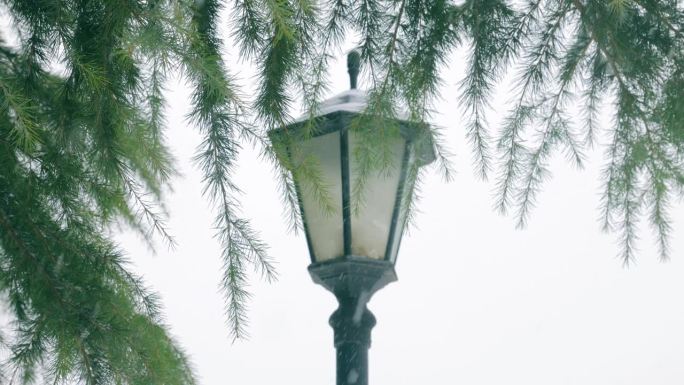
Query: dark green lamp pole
x,y
353,252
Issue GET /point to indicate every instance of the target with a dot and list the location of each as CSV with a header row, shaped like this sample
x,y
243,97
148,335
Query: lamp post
x,y
353,251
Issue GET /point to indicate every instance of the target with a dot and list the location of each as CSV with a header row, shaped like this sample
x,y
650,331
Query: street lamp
x,y
353,250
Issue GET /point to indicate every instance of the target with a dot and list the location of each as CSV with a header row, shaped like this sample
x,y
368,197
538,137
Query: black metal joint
x,y
352,322
353,280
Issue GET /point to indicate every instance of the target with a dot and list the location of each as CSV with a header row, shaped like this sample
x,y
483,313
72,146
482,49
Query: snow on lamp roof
x,y
353,100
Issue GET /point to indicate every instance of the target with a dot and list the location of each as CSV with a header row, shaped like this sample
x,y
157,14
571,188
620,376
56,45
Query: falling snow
x,y
352,377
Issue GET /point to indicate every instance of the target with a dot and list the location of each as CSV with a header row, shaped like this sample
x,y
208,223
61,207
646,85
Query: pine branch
x,y
392,46
24,130
497,34
678,32
659,217
535,72
556,129
157,223
216,111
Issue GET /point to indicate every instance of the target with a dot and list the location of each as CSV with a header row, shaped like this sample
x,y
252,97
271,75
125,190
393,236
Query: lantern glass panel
x,y
405,192
372,213
324,226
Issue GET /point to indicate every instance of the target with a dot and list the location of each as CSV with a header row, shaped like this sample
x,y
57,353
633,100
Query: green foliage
x,y
81,147
82,140
583,54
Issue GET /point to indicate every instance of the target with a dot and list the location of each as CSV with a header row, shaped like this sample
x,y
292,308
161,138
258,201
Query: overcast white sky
x,y
477,302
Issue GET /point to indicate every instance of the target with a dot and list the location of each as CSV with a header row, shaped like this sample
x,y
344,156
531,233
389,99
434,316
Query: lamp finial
x,y
353,64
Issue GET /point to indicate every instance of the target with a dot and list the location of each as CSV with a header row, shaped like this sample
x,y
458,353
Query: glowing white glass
x,y
373,208
323,220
